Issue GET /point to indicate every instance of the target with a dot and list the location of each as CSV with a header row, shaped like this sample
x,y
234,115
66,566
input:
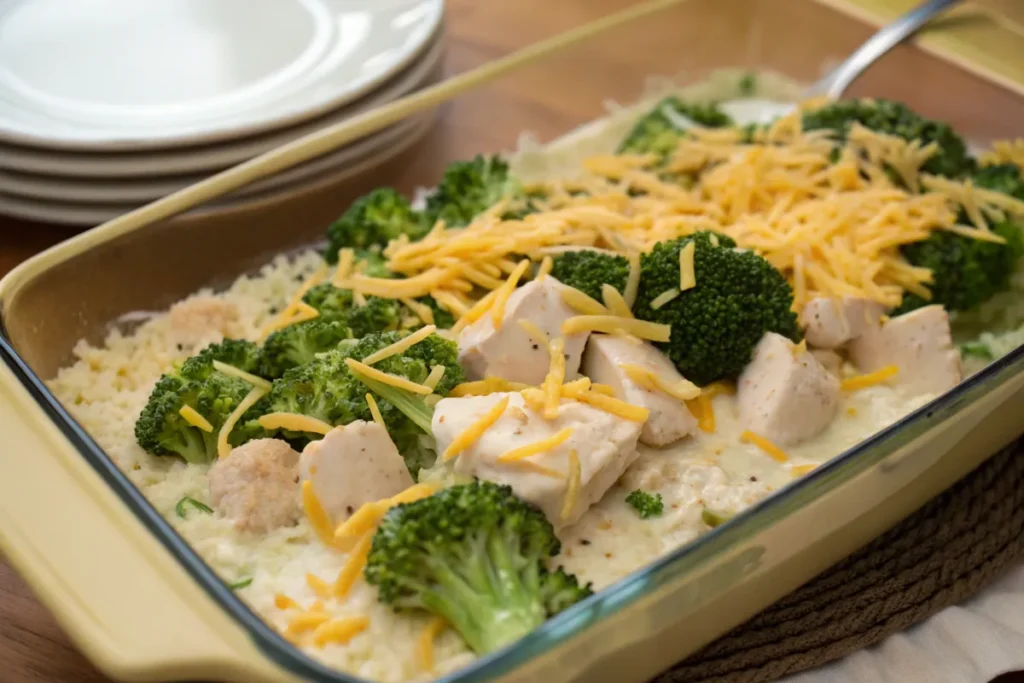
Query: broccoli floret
x,y
375,315
300,343
659,131
967,272
646,505
747,85
738,297
326,388
469,188
473,554
239,353
894,118
587,270
374,220
375,265
1005,178
161,429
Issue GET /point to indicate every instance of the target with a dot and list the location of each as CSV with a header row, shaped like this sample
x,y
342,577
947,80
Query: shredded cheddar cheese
x,y
489,385
800,470
392,380
702,409
366,518
400,346
537,447
353,567
572,488
765,445
294,422
282,602
339,631
254,395
546,264
319,587
610,324
475,430
421,310
435,376
371,403
870,379
614,302
608,404
192,416
317,516
346,261
665,297
581,303
687,277
505,291
307,621
555,378
425,643
232,371
683,390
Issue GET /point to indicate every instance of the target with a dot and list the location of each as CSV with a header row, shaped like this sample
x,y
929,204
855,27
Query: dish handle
x,y
119,594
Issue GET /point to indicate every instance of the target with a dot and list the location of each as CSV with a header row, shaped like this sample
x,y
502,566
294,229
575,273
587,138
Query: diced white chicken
x,y
353,465
829,323
785,394
919,344
605,445
669,419
257,486
830,360
510,352
203,320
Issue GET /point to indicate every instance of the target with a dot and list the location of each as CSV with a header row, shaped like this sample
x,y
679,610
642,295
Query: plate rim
x,y
221,134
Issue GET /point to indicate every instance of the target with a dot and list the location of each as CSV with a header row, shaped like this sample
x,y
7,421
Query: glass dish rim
x,y
575,620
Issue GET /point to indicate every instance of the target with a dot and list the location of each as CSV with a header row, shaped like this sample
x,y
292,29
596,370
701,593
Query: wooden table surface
x,y
33,649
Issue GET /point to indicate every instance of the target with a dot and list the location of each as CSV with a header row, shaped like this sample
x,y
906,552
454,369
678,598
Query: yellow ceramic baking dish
x,y
143,606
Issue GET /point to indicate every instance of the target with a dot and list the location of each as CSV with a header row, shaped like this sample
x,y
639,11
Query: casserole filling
x,y
468,413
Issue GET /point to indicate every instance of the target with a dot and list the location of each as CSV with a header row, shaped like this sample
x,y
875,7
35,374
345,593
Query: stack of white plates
x,y
106,105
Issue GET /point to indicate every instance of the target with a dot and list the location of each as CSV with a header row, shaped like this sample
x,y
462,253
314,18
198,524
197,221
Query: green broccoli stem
x,y
409,404
486,599
196,446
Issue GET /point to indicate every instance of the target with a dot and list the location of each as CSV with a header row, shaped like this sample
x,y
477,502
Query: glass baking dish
x,y
143,605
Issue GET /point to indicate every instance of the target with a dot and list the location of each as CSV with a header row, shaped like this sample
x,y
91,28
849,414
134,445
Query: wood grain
x,y
33,649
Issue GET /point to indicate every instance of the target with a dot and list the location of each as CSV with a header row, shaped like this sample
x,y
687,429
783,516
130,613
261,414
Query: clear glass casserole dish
x,y
143,605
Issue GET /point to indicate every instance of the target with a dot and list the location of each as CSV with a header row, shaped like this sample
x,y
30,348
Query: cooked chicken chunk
x,y
919,344
605,445
353,465
785,394
830,360
830,323
603,363
510,352
257,485
203,320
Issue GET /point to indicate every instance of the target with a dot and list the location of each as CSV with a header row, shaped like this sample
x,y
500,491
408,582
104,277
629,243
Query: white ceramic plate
x,y
140,191
72,213
126,74
63,165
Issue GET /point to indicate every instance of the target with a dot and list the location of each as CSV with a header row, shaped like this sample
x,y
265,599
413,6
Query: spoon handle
x,y
836,82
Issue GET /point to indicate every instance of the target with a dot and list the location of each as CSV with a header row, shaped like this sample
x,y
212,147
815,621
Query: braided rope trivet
x,y
941,555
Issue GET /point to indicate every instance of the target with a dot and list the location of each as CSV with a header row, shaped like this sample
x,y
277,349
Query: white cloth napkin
x,y
969,643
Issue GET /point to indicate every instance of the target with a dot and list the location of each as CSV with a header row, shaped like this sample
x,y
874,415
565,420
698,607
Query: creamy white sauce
x,y
713,470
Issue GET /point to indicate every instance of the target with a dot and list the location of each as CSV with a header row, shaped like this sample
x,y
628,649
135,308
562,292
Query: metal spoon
x,y
843,76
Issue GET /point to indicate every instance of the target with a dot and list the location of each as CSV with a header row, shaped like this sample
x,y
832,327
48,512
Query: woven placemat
x,y
944,553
